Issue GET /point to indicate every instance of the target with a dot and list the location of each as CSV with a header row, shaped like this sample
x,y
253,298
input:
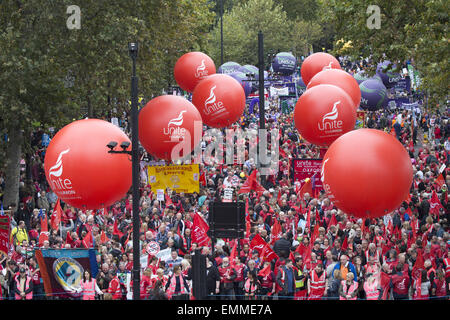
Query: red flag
x,y
390,227
265,271
116,230
384,284
344,245
440,180
203,181
199,231
332,222
103,237
169,201
252,184
44,229
247,216
306,188
418,265
88,240
315,233
435,204
69,239
276,232
265,251
279,197
56,216
233,254
308,219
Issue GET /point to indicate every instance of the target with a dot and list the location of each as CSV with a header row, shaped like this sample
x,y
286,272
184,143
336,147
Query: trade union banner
x,y
308,168
4,233
62,269
180,178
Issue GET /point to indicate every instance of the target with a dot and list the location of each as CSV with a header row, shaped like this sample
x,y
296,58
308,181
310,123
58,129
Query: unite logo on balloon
x,y
201,70
174,131
328,66
56,171
211,105
329,121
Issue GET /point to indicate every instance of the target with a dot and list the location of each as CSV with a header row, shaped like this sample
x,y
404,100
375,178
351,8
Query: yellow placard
x,y
181,178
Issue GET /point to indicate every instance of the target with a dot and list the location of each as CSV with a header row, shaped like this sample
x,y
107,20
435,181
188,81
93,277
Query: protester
x,y
305,265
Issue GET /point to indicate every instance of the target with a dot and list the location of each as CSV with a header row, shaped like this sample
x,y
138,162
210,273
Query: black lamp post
x,y
221,32
136,273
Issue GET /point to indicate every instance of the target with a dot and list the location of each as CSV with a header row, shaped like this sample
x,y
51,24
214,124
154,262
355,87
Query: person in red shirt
x,y
227,275
114,286
439,286
400,283
38,287
146,284
238,282
267,283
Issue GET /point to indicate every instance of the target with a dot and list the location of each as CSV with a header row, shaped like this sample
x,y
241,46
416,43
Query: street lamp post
x,y
136,272
221,32
262,115
133,51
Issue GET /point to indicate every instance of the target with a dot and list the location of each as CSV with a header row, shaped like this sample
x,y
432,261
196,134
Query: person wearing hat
x,y
23,288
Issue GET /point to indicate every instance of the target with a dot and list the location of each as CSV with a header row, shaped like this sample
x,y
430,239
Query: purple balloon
x,y
284,63
229,67
301,86
241,77
373,95
360,77
389,77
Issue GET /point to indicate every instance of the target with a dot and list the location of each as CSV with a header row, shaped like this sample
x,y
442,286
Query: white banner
x,y
164,254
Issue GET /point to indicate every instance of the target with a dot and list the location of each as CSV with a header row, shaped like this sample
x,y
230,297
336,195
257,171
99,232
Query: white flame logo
x,y
322,173
333,114
202,66
178,121
212,97
328,66
57,169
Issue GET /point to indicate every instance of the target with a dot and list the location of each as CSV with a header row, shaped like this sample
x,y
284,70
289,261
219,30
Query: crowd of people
x,y
403,255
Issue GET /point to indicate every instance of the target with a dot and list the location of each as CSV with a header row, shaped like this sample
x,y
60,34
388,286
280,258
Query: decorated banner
x,y
164,255
153,248
4,233
180,178
360,119
308,168
62,269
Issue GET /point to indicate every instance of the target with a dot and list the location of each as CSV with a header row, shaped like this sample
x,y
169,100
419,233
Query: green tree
x,y
50,73
240,29
414,30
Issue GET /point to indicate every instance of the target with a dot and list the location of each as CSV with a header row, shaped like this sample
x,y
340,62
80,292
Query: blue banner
x,y
62,269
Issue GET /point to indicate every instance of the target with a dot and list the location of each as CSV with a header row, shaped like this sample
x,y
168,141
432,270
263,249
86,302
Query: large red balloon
x,y
79,168
165,122
324,113
220,99
367,173
317,62
191,68
341,79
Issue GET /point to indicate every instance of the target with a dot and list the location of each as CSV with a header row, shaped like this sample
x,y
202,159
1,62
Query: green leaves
x,y
409,30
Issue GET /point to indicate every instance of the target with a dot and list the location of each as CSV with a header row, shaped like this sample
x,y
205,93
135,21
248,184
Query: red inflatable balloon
x,y
317,62
220,99
191,68
168,123
367,173
338,78
79,168
324,113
